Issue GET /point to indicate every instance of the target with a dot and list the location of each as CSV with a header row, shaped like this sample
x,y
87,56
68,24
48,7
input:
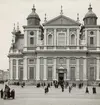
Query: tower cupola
x,y
90,17
33,18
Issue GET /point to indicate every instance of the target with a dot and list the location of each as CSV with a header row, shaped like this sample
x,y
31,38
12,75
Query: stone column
x,y
25,69
45,69
17,69
38,69
77,69
25,40
97,75
55,39
68,69
54,71
11,67
84,69
78,32
68,38
45,39
98,39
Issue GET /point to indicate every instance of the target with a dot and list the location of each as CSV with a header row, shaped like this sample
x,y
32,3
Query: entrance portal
x,y
61,77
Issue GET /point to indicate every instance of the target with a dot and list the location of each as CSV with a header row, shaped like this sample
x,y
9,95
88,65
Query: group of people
x,y
93,90
7,93
64,85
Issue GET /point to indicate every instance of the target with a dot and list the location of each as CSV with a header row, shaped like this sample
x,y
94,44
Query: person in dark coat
x,y
62,88
69,89
46,89
87,91
94,90
8,93
1,93
13,94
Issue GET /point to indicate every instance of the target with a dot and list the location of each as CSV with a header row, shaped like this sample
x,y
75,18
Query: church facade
x,y
59,49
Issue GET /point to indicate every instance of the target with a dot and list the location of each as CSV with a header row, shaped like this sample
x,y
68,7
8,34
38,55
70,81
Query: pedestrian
x,y
69,89
13,94
87,91
1,93
8,93
62,88
94,90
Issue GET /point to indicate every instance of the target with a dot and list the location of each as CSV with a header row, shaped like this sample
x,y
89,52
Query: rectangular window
x,y
91,40
14,61
81,61
72,61
20,62
31,40
61,39
49,73
31,72
41,60
49,60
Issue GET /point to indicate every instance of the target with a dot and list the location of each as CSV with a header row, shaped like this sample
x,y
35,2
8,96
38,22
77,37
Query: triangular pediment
x,y
61,20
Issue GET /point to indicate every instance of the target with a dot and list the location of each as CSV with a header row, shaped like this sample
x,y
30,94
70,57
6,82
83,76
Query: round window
x,y
31,33
91,32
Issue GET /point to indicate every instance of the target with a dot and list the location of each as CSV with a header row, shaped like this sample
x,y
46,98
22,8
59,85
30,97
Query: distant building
x,y
6,75
60,49
1,75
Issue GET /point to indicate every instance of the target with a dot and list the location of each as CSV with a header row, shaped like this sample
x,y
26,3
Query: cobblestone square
x,y
30,95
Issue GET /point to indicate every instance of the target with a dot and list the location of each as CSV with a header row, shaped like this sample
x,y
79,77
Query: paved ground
x,y
30,95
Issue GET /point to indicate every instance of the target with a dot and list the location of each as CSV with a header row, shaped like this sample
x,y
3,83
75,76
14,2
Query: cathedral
x,y
59,49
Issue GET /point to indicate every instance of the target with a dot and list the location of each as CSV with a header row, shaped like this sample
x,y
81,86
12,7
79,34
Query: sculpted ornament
x,y
50,31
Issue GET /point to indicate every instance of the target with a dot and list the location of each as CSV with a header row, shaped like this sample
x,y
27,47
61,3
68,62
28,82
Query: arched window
x,y
50,39
72,39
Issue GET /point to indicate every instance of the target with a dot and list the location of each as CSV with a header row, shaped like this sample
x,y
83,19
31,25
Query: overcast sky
x,y
13,11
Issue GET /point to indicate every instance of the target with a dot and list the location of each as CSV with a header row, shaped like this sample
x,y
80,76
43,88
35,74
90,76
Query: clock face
x,y
31,33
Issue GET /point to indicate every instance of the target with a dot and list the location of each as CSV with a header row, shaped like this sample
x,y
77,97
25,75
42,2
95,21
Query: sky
x,y
13,11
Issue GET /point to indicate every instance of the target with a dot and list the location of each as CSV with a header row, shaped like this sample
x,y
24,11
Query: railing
x,y
15,51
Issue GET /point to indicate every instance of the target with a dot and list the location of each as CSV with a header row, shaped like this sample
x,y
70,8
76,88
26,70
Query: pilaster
x,y
77,70
11,71
17,69
37,40
55,38
25,69
86,36
68,38
54,71
68,69
45,40
97,75
25,40
98,40
78,32
38,69
84,69
45,69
